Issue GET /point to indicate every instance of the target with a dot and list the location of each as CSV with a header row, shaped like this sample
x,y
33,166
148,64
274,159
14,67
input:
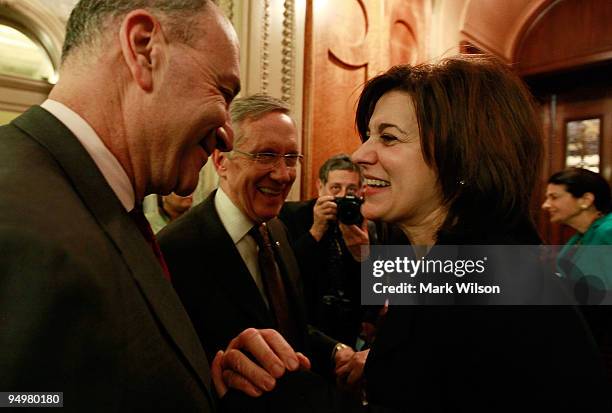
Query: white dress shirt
x,y
238,225
106,162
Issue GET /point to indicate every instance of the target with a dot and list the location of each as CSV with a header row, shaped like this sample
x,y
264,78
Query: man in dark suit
x,y
237,291
85,306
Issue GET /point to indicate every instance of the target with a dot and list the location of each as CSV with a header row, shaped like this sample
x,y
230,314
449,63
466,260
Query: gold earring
x,y
583,206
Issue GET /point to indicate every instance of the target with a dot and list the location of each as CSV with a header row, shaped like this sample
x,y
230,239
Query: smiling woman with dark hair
x,y
471,125
451,153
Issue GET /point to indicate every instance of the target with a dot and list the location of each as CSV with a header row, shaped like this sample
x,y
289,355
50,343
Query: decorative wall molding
x,y
18,94
30,85
272,54
47,27
265,49
287,85
228,8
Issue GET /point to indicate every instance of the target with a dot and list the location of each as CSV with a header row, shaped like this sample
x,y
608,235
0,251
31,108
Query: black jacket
x,y
486,358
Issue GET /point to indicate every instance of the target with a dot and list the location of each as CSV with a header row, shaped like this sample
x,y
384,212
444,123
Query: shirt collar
x,y
106,162
595,224
233,219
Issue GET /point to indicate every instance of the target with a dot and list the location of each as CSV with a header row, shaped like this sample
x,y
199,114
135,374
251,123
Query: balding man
x,y
86,307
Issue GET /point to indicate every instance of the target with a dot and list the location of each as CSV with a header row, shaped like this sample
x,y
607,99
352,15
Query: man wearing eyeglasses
x,y
253,278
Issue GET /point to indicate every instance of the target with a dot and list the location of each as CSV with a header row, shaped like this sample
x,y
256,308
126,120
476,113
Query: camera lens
x,y
349,210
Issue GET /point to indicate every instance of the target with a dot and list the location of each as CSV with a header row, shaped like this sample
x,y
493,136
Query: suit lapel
x,y
106,208
235,277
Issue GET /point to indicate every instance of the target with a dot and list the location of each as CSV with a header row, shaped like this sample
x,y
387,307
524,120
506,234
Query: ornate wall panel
x,y
409,31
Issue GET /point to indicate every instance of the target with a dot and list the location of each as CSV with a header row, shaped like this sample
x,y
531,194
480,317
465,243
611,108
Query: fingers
x,y
304,361
281,348
344,355
351,372
364,225
325,207
343,368
343,360
343,372
354,233
324,211
241,373
268,348
272,354
359,360
355,375
217,374
238,382
324,199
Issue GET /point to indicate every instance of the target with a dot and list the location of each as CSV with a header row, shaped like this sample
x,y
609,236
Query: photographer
x,y
327,234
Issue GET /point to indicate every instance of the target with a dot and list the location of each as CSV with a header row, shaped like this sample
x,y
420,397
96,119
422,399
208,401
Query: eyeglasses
x,y
272,159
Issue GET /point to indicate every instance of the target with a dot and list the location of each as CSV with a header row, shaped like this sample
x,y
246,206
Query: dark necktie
x,y
145,228
273,283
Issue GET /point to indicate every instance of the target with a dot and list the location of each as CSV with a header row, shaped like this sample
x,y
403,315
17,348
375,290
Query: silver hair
x,y
89,18
253,108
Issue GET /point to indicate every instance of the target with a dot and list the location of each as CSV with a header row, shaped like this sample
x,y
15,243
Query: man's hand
x,y
272,355
351,372
343,356
354,238
323,212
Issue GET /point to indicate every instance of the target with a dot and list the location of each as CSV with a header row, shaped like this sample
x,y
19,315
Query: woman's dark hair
x,y
479,132
578,181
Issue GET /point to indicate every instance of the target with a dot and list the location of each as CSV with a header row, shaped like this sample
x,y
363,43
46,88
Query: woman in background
x,y
451,153
581,199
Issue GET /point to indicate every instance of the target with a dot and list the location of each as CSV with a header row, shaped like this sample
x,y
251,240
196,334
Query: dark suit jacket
x,y
84,306
339,317
217,288
486,358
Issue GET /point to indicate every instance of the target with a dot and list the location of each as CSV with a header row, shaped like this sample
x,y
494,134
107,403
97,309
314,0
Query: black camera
x,y
349,209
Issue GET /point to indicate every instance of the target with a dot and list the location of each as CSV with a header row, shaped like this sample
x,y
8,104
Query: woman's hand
x,y
350,374
354,238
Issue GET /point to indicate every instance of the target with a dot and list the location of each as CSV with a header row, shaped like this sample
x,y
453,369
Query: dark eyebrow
x,y
384,126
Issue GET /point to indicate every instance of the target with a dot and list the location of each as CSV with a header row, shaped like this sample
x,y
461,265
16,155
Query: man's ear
x,y
139,33
220,160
